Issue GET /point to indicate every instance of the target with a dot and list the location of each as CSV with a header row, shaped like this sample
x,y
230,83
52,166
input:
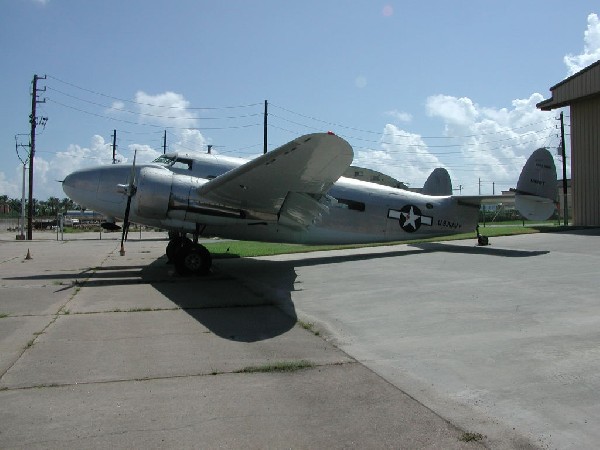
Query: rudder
x,y
535,196
438,183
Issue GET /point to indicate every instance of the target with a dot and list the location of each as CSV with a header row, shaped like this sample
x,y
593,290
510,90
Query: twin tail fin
x,y
535,195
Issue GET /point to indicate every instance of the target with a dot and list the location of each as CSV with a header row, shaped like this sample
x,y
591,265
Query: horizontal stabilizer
x,y
438,183
534,208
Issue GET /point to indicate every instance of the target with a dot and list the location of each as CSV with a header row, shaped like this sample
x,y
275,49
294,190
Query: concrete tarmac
x,y
99,350
501,340
410,346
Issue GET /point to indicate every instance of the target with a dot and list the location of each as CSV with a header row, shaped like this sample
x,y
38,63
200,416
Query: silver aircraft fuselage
x,y
167,196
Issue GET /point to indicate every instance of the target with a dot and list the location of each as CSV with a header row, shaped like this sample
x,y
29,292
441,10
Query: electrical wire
x,y
389,140
398,134
149,104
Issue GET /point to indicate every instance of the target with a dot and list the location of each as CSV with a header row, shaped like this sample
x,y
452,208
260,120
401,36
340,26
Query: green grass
x,y
3,315
281,366
309,327
470,437
241,249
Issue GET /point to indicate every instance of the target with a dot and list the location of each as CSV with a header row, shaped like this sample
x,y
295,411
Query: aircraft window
x,y
182,163
352,204
163,159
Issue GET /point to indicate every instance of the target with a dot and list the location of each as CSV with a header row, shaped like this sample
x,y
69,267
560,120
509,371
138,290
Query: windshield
x,y
174,162
164,159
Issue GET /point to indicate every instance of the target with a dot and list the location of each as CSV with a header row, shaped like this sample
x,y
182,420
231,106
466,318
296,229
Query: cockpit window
x,y
182,163
174,162
164,159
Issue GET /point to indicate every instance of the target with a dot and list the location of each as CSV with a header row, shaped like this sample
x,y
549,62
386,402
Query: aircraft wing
x,y
308,165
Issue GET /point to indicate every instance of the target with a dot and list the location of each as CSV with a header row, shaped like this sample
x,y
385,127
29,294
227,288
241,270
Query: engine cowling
x,y
153,192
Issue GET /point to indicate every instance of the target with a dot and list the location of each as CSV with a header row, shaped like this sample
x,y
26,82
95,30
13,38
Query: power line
x,y
145,124
139,113
150,104
396,134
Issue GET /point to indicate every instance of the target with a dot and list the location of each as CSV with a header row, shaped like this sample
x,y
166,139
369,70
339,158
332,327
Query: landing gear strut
x,y
189,257
481,239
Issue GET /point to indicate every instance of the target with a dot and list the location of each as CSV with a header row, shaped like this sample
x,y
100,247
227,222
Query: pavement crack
x,y
237,372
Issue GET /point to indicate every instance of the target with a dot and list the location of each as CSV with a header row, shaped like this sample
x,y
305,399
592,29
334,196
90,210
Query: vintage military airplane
x,y
295,194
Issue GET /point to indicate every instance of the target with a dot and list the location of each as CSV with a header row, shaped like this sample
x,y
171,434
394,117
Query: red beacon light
x,y
331,133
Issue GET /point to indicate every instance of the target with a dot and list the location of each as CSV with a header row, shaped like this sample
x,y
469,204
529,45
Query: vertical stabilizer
x,y
535,196
438,183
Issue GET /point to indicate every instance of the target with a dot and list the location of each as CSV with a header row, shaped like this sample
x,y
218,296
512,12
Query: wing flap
x,y
309,164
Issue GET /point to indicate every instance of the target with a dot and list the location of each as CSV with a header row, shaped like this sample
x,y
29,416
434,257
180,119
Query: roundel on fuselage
x,y
410,218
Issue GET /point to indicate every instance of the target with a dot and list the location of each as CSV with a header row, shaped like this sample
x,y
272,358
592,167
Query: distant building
x,y
581,93
506,203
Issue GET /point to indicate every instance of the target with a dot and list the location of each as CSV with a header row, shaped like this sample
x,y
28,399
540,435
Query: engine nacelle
x,y
153,192
162,194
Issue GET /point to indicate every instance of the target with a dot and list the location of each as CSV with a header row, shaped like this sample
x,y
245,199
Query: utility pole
x,y
21,235
479,186
265,130
22,226
33,121
165,142
564,167
114,146
209,148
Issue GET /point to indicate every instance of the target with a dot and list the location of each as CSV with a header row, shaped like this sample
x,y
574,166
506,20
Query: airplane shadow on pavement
x,y
229,307
243,299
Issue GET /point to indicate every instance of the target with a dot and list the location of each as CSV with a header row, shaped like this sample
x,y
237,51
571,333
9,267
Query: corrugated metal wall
x,y
581,85
585,162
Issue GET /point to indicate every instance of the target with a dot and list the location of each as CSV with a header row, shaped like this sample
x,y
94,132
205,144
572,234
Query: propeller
x,y
130,190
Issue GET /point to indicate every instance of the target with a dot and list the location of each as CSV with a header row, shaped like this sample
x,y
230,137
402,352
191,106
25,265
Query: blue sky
x,y
411,85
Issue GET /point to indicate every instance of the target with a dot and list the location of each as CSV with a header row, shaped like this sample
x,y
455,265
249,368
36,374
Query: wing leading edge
x,y
308,166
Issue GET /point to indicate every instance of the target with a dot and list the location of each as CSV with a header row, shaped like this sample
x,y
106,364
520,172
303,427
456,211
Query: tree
x,y
66,204
53,204
15,205
4,205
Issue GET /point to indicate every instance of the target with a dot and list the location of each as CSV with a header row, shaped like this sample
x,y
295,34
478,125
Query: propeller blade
x,y
130,193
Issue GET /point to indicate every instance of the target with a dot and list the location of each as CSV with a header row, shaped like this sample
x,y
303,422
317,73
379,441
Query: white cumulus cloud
x,y
401,154
168,109
459,111
476,142
591,47
9,187
400,116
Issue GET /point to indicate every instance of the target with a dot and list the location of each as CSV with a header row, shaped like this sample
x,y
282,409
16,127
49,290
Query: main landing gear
x,y
189,257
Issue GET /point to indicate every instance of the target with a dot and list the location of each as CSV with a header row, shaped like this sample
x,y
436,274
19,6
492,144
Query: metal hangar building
x,y
581,92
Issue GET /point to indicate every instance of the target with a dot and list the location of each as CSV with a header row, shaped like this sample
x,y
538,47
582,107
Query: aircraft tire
x,y
193,260
175,244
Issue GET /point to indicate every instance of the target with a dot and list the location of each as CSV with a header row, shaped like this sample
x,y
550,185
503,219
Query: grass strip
x,y
280,366
242,249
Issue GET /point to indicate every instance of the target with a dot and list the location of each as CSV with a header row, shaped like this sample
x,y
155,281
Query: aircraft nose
x,y
81,185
